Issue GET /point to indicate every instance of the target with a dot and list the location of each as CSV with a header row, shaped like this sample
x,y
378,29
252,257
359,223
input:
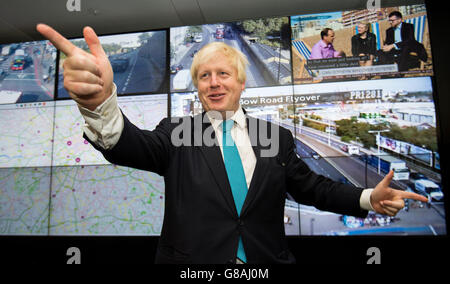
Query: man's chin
x,y
221,111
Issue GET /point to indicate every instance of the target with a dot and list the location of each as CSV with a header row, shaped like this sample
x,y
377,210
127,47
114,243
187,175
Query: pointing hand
x,y
88,77
389,201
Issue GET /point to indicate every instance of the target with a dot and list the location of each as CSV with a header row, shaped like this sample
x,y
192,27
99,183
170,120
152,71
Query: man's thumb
x,y
93,42
388,178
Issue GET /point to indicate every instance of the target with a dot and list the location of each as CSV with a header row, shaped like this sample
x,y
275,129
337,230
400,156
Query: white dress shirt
x,y
241,138
104,125
397,35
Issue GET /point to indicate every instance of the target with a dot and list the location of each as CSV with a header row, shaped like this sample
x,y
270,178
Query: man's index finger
x,y
56,39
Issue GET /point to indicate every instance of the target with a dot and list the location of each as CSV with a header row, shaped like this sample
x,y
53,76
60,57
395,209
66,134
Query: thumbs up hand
x,y
88,77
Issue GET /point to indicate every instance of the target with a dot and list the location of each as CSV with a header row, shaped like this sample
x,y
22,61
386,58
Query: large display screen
x,y
355,113
26,134
47,164
27,72
265,42
355,133
106,200
137,59
361,44
70,150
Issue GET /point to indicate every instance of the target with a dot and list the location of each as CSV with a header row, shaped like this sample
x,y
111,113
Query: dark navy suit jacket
x,y
201,224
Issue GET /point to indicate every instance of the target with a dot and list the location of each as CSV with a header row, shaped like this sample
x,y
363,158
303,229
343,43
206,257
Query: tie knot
x,y
227,125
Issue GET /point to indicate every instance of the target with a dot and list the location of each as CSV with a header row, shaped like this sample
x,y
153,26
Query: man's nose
x,y
214,80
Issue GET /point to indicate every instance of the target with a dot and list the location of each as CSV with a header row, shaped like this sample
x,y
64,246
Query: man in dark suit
x,y
400,43
225,187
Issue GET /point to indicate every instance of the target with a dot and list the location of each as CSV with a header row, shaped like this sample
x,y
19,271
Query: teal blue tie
x,y
236,175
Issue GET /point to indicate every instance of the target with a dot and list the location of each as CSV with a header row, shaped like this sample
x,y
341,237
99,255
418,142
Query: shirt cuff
x,y
104,125
364,201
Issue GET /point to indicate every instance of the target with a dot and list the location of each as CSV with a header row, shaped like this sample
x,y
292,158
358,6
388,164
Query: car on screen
x,y
429,189
198,38
315,156
119,64
182,80
18,64
175,68
6,50
219,33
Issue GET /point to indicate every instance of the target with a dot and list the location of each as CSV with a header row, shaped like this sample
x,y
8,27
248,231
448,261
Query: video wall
x,y
355,112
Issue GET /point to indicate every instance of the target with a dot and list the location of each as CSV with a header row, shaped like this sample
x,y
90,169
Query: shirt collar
x,y
238,117
399,26
324,45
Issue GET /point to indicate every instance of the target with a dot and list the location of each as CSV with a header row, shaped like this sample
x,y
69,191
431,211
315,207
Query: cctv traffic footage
x,y
27,72
335,126
339,137
265,42
137,59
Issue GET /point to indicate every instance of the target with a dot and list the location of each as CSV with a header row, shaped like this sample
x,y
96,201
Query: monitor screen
x,y
27,72
106,200
361,45
138,61
24,200
265,42
27,134
46,163
92,197
70,148
356,133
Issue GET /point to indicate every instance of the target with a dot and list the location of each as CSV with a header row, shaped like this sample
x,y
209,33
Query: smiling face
x,y
362,28
219,88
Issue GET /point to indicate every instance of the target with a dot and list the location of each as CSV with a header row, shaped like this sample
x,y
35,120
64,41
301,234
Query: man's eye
x,y
203,75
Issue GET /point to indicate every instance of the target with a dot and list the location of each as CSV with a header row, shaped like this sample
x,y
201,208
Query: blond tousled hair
x,y
236,58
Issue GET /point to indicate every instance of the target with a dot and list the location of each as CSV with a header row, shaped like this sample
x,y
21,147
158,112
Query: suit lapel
x,y
260,168
214,159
